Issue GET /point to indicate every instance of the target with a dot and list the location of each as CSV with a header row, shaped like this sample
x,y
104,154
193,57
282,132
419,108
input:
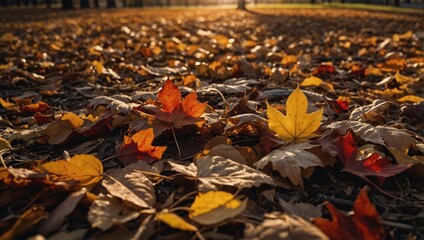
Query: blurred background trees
x,y
241,4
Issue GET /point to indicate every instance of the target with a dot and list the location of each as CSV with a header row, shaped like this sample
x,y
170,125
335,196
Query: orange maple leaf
x,y
176,112
139,147
35,107
364,224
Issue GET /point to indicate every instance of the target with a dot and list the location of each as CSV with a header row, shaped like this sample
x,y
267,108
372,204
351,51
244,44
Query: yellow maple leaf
x,y
84,168
296,125
175,221
215,206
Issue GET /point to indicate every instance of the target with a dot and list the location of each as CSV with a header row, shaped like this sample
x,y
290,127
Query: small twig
x,y
200,236
154,174
180,209
182,199
176,143
381,190
141,228
1,157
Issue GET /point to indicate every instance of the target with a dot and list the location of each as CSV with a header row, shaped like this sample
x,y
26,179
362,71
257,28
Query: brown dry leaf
x,y
304,210
282,226
59,214
84,169
289,161
27,221
130,185
402,79
215,171
107,211
4,144
215,206
60,130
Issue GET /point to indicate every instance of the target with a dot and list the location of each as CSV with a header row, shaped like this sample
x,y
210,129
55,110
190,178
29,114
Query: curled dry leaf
x,y
283,226
364,224
289,160
59,214
130,185
107,211
27,221
215,206
139,147
60,130
84,170
296,125
175,221
215,171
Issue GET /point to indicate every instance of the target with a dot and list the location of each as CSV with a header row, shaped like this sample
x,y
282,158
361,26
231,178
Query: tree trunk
x,y
241,4
124,3
96,4
26,3
111,4
138,3
397,3
34,3
48,3
4,3
67,4
313,1
84,4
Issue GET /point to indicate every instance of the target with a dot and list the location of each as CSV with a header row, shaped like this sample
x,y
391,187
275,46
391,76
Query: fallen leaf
x,y
410,98
4,144
84,169
106,211
313,81
60,130
139,147
59,214
27,221
296,125
289,161
215,171
175,221
215,206
304,210
176,112
374,165
131,186
364,224
35,107
283,226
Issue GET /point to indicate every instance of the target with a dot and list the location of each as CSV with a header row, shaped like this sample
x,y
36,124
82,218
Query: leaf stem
x,y
176,143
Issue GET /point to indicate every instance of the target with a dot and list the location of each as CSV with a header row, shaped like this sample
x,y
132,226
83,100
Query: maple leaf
x,y
374,165
139,147
176,112
364,224
297,125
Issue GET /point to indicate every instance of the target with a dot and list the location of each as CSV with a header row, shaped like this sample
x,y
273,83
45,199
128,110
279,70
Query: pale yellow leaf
x,y
311,81
85,169
215,206
175,221
296,125
4,144
402,79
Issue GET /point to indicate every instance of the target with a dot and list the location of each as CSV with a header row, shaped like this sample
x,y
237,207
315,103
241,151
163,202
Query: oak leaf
x,y
364,224
175,112
139,147
215,206
296,125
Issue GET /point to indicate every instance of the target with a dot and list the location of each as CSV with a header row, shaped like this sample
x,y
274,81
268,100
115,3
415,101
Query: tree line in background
x,y
241,4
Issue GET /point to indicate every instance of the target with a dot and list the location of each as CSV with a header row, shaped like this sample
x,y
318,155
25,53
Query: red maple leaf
x,y
139,147
364,224
176,112
374,165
